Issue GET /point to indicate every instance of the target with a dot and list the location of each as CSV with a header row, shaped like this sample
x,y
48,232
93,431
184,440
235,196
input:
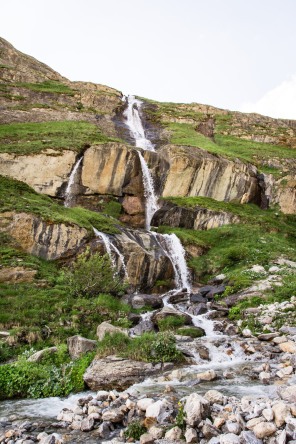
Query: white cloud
x,y
279,102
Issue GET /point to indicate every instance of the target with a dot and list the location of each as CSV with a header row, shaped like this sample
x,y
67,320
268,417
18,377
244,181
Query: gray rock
x,y
77,346
38,356
104,430
169,311
196,409
267,336
198,309
249,438
197,298
160,410
87,424
229,438
113,415
106,327
143,327
141,300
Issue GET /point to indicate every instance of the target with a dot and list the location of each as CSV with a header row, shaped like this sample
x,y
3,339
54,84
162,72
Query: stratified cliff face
x,y
199,151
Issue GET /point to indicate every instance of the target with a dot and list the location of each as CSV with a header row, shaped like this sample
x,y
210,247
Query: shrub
x,y
170,323
92,274
56,375
134,430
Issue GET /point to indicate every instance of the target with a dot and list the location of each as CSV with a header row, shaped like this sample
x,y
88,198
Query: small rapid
x,y
110,248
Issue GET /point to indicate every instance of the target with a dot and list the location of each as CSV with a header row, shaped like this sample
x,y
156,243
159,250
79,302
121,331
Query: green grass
x,y
31,138
48,86
262,238
230,146
17,196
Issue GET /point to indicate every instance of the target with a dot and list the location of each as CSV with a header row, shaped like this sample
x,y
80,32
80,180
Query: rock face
x,y
45,172
145,260
108,168
195,172
198,218
116,373
45,240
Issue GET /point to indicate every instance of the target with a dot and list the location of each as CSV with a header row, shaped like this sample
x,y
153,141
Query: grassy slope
x,y
30,138
17,196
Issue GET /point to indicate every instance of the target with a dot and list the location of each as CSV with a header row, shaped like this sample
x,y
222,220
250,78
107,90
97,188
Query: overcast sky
x,y
235,54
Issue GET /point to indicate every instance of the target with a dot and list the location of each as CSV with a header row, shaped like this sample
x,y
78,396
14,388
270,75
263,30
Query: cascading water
x,y
149,193
68,193
109,247
134,122
176,253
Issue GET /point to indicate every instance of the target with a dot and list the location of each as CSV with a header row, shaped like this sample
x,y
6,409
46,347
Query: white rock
x,y
144,403
156,432
173,434
113,415
264,429
288,347
274,269
102,395
232,427
214,397
160,410
196,409
191,435
258,269
289,393
130,404
209,375
280,339
42,435
229,438
246,333
268,414
146,438
264,376
281,411
285,371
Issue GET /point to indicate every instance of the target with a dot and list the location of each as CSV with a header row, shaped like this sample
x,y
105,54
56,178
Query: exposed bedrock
x,y
145,259
195,172
43,239
196,218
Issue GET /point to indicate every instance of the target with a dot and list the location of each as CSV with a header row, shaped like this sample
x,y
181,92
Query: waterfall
x,y
109,246
149,193
68,193
134,122
176,254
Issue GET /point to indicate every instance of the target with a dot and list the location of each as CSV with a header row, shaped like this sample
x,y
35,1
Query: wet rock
x,y
231,329
264,377
116,373
134,318
203,352
106,327
38,356
264,429
178,298
102,395
197,298
174,433
77,346
196,409
209,375
103,430
214,397
198,309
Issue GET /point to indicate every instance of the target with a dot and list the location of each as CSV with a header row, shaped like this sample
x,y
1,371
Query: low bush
x,y
56,375
189,331
134,430
170,323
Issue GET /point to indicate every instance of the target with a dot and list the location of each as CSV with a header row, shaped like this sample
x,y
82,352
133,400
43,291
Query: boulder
x,y
144,403
229,438
191,435
209,375
77,346
160,410
113,415
38,356
141,300
214,397
106,327
168,311
288,347
147,438
248,437
288,394
143,327
173,434
198,309
16,275
116,373
196,409
197,298
281,412
264,429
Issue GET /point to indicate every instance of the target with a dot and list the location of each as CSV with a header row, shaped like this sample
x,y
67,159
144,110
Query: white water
x,y
68,193
176,253
149,192
109,247
134,122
